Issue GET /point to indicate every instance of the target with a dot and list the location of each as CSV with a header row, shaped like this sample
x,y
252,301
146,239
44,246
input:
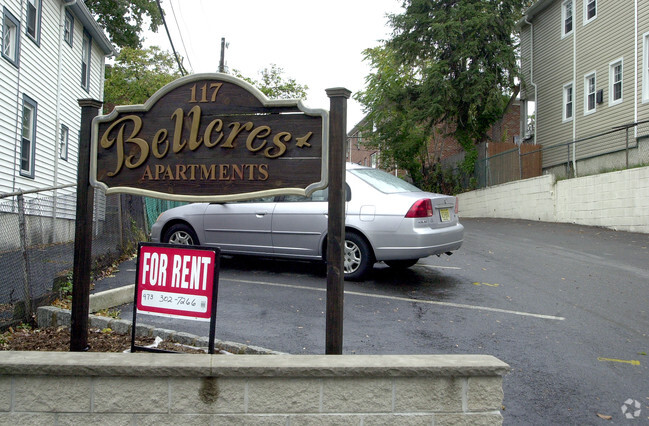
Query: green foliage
x,y
111,313
124,20
65,286
388,126
447,66
137,74
274,85
24,326
447,180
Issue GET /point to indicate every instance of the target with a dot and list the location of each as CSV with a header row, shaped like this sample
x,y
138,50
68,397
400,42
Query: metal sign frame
x,y
213,302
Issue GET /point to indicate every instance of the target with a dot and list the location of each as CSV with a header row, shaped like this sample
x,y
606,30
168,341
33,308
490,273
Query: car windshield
x,y
383,181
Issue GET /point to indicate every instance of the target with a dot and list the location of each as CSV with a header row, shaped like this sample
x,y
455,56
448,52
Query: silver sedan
x,y
387,219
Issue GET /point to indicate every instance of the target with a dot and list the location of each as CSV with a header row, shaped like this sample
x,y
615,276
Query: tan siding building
x,y
582,66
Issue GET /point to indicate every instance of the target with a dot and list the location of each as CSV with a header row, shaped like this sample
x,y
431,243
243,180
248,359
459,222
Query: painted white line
x,y
438,267
406,299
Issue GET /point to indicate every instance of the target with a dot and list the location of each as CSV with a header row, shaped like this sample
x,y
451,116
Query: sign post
x,y
83,233
336,232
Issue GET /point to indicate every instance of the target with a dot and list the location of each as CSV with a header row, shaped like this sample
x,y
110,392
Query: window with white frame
x,y
615,82
63,142
645,67
590,88
33,29
568,102
10,38
374,160
28,139
85,61
68,28
566,18
590,10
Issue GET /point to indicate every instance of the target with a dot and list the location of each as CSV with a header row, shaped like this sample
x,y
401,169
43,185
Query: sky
x,y
317,43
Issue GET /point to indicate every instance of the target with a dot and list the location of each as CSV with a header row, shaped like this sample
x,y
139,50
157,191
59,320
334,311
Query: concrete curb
x,y
51,316
111,298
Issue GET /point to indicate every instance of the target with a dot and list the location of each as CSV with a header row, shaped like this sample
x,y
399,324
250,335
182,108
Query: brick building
x,y
441,148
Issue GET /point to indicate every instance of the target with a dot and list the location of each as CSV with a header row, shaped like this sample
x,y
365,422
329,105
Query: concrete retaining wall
x,y
145,388
616,200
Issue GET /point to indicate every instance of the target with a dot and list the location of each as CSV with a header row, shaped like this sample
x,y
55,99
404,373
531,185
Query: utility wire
x,y
164,21
180,34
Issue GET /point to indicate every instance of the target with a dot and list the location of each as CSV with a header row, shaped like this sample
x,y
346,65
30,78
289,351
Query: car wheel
x,y
401,264
180,234
357,258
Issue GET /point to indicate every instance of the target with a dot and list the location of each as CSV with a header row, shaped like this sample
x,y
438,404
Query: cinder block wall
x,y
145,388
616,200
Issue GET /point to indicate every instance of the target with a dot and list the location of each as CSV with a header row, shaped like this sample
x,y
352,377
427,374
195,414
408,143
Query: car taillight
x,y
421,208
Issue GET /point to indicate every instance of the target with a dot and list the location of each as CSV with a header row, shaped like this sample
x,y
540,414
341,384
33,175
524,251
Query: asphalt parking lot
x,y
564,305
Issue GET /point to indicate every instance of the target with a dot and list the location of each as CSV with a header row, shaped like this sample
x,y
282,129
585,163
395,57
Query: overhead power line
x,y
180,34
164,21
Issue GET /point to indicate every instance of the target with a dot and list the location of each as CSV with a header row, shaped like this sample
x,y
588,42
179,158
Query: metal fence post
x,y
22,227
627,148
120,221
520,163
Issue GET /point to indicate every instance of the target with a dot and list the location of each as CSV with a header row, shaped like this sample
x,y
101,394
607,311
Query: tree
x,y
454,59
137,74
401,140
274,86
123,19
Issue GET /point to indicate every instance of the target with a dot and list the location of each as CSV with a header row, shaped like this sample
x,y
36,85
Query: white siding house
x,y
53,53
584,65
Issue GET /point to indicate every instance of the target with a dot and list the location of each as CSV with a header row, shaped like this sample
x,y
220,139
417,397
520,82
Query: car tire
x,y
401,264
357,257
180,234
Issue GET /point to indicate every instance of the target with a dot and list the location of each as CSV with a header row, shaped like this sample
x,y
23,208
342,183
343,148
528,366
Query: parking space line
x,y
438,267
406,299
624,361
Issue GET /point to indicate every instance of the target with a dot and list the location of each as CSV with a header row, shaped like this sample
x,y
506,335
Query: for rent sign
x,y
210,137
176,281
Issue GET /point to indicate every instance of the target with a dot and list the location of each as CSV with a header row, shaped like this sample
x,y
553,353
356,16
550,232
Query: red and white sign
x,y
176,282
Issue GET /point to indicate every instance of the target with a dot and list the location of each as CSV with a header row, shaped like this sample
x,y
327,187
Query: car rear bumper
x,y
419,243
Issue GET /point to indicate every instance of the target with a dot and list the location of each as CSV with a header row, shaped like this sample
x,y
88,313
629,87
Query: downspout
x,y
574,79
57,129
536,99
57,114
18,116
635,72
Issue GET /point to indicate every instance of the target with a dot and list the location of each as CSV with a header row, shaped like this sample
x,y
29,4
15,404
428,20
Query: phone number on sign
x,y
180,302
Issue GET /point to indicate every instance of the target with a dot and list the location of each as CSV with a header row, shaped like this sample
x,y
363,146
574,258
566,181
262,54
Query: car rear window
x,y
383,181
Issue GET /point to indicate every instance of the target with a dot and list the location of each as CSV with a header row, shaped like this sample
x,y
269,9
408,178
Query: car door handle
x,y
260,214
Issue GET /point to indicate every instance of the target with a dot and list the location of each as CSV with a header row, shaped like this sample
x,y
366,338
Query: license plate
x,y
445,215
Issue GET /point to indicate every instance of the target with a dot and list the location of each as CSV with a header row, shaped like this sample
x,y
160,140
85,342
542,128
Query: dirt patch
x,y
58,339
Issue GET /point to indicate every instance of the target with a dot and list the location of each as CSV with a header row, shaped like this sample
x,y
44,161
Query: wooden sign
x,y
210,137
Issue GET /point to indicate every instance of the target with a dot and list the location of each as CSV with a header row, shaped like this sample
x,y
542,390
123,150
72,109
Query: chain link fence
x,y
620,148
37,241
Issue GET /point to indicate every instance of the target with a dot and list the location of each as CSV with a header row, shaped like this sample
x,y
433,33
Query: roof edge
x,y
534,10
82,12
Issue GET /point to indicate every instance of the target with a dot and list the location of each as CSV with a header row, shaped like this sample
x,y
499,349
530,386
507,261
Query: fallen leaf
x,y
604,416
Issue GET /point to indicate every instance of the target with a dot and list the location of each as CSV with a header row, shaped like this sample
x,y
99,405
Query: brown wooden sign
x,y
210,137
